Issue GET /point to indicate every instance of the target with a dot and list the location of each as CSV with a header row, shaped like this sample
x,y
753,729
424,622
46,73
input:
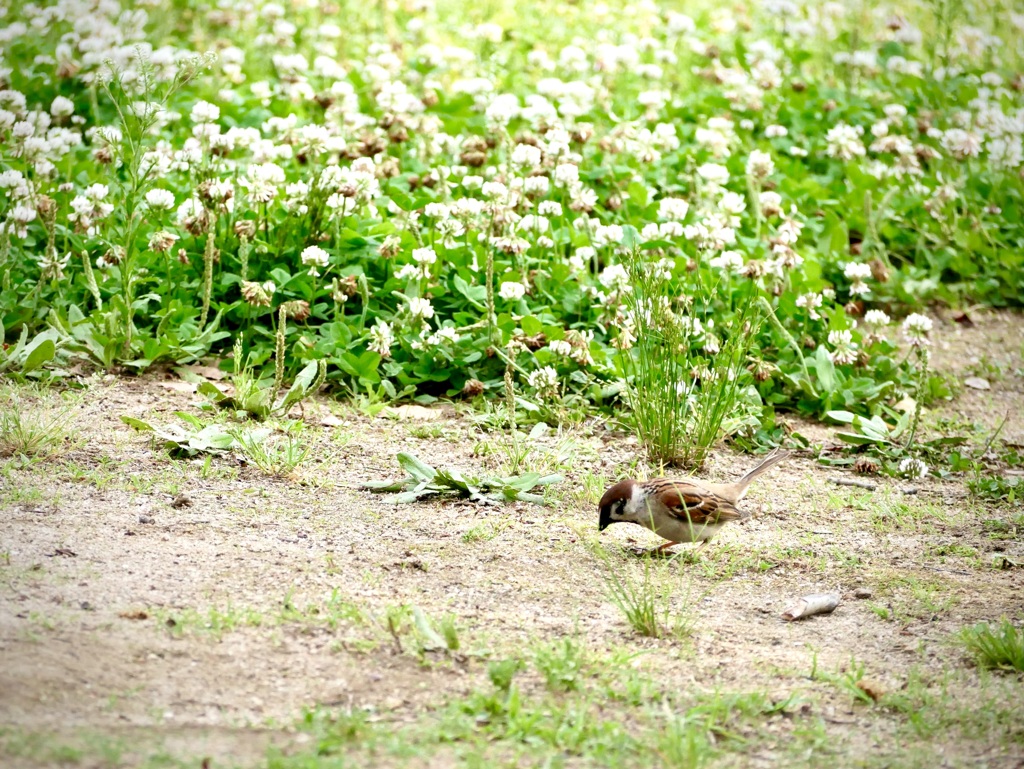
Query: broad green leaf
x,y
845,417
210,390
383,485
416,468
408,496
430,638
858,440
825,370
530,325
138,424
38,355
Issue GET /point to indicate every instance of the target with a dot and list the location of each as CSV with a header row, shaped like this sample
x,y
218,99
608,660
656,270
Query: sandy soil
x,y
106,586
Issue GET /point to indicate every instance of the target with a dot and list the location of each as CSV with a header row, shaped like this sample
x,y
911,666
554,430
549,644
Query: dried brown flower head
x,y
472,388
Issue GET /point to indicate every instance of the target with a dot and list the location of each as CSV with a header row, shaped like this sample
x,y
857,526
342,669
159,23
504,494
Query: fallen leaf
x,y
1005,563
182,500
413,411
874,689
977,383
963,319
907,405
178,386
67,552
133,615
809,605
331,421
207,372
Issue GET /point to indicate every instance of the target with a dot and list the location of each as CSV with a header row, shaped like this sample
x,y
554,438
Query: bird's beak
x,y
605,520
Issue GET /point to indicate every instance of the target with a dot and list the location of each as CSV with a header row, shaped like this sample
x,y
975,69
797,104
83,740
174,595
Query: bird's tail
x,y
766,464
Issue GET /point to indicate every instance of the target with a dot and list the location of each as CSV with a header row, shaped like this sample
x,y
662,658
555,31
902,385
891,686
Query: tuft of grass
x,y
274,455
680,394
561,663
999,648
644,600
36,429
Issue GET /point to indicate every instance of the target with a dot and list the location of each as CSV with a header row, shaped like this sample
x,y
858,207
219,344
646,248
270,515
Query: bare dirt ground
x,y
133,630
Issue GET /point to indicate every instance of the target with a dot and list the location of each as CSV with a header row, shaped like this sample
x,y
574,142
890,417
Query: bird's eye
x,y
620,506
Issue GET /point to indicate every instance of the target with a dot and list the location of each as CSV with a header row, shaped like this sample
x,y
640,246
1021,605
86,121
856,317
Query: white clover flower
x,y
916,327
876,318
774,131
407,271
62,106
204,112
512,290
895,112
502,108
912,469
314,257
560,347
760,165
962,144
845,350
732,203
583,198
771,203
472,182
11,179
19,219
494,190
730,261
857,274
161,200
381,339
810,301
420,308
442,335
670,230
534,223
23,129
526,157
23,214
545,382
536,185
262,181
614,277
424,256
844,142
1005,153
713,173
673,209
548,207
581,258
789,232
96,192
566,175
435,210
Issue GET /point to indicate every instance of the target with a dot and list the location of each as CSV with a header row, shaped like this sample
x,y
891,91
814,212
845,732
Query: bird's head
x,y
614,504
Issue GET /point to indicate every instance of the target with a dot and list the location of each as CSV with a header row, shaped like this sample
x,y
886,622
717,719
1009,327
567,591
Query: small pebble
x,y
862,592
182,500
146,519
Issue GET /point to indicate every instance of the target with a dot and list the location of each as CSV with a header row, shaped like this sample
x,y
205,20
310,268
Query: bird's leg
x,y
662,551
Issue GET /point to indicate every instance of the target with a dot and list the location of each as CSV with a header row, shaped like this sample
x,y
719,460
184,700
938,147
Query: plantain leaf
x,y
416,468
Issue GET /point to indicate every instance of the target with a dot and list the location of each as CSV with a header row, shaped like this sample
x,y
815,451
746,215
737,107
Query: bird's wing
x,y
691,502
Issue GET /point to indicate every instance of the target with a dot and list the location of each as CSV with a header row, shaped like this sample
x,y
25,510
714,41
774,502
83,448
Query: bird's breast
x,y
675,530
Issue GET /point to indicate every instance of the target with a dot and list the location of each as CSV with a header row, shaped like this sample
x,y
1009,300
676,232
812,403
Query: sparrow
x,y
684,510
